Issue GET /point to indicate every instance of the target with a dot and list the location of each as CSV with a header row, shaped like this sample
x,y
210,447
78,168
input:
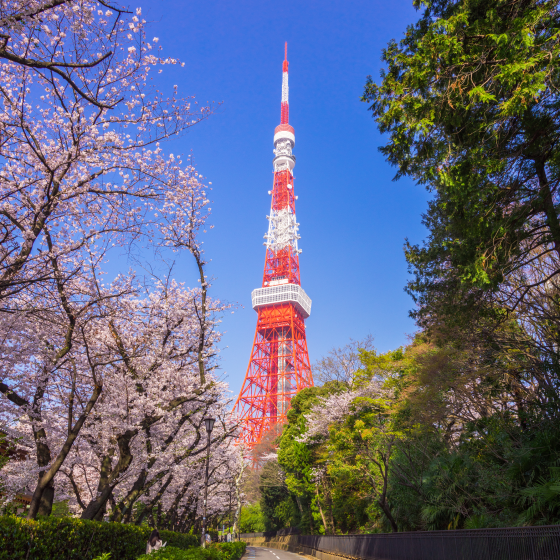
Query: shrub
x,y
219,551
77,539
231,550
172,553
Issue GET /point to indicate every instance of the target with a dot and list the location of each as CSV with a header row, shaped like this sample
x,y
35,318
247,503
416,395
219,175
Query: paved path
x,y
261,553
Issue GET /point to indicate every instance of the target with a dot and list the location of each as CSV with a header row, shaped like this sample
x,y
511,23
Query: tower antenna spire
x,y
279,365
285,106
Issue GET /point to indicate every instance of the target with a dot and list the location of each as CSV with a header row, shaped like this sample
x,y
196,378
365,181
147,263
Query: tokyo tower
x,y
279,364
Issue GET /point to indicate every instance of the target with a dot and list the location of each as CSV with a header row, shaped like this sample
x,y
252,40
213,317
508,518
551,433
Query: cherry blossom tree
x,y
46,387
239,473
33,15
335,408
158,425
109,380
78,166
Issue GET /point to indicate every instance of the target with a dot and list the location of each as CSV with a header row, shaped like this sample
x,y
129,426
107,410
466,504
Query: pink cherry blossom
x,y
106,380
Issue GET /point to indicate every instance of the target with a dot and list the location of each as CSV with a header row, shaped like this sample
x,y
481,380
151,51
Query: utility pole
x,y
209,423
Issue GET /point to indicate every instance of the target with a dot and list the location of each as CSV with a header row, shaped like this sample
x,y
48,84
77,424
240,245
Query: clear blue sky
x,y
353,217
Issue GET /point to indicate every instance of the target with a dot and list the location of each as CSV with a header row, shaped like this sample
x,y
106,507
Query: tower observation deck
x,y
279,363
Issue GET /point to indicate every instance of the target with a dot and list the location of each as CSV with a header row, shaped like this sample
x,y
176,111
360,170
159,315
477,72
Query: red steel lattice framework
x,y
279,364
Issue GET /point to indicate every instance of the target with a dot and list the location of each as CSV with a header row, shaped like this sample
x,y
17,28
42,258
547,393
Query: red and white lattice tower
x,y
279,365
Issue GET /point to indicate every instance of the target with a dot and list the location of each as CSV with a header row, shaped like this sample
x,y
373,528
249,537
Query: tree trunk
x,y
548,205
321,510
382,464
40,504
43,459
158,516
98,503
101,513
130,498
108,478
239,503
311,524
172,519
383,505
46,500
328,501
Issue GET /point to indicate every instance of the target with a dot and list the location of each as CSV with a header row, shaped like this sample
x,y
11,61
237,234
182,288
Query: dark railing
x,y
514,543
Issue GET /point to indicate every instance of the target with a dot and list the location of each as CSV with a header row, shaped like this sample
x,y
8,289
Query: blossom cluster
x,y
336,407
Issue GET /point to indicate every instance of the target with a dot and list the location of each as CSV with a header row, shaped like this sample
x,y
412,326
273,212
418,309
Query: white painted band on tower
x,y
287,135
285,89
284,161
261,297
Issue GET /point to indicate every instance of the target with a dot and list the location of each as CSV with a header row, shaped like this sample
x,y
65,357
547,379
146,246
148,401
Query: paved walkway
x,y
261,553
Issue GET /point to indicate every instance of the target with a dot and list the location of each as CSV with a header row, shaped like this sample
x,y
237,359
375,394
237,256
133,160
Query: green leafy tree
x,y
470,104
426,437
469,101
298,459
275,501
251,519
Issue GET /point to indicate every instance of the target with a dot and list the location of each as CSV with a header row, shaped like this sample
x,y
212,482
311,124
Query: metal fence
x,y
515,543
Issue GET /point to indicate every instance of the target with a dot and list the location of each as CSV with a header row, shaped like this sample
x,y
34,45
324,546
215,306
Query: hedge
x,y
77,539
220,551
231,550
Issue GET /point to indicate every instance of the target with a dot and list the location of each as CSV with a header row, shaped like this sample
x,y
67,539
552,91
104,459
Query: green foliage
x,y
542,498
217,551
504,478
300,461
469,101
300,507
276,504
60,509
251,519
232,550
76,539
498,470
491,472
